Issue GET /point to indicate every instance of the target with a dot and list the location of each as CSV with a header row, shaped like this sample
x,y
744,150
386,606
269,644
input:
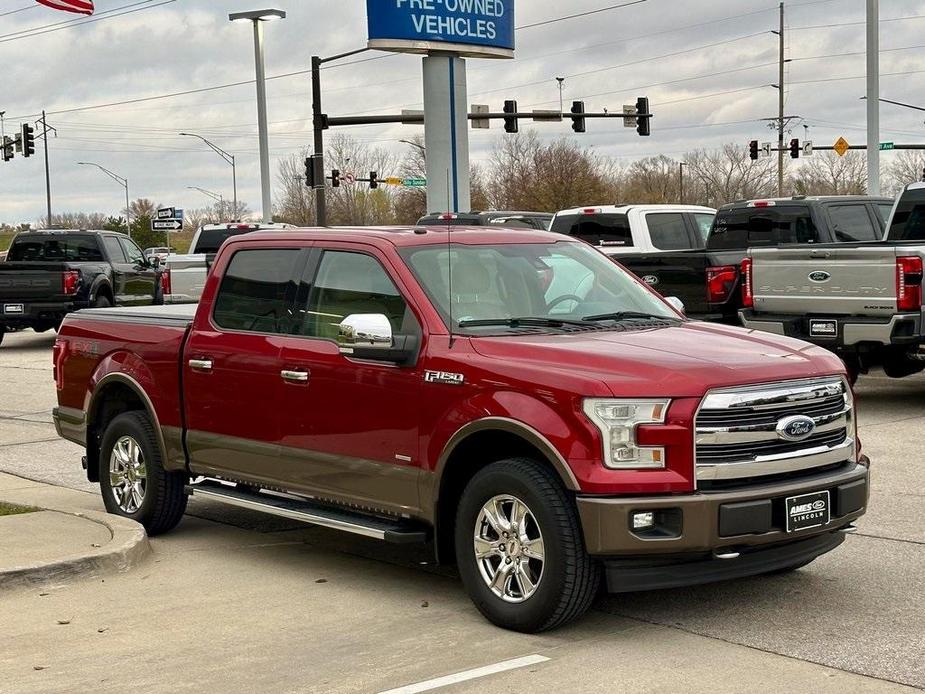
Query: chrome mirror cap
x,y
366,330
675,303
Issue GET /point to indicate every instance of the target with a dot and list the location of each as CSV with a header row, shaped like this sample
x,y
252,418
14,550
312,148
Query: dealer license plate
x,y
807,511
13,308
823,328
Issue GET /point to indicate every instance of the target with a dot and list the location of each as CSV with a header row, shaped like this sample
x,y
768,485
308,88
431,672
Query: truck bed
x,y
180,315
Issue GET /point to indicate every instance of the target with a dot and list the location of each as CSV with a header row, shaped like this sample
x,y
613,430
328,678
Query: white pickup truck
x,y
861,300
187,273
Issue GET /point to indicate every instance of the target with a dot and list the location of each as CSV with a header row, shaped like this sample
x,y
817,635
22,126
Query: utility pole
x,y
681,166
45,130
321,209
873,97
780,111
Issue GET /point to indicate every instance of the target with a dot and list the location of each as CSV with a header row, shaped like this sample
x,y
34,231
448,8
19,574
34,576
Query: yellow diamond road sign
x,y
841,146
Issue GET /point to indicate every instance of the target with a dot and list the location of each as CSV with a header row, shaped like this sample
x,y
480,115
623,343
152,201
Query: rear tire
x,y
509,584
102,302
133,481
2,333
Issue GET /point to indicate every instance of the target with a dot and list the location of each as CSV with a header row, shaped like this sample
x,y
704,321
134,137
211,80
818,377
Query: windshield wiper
x,y
520,322
627,315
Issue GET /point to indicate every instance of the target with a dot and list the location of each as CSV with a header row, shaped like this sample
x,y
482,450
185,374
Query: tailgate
x,y
859,281
24,282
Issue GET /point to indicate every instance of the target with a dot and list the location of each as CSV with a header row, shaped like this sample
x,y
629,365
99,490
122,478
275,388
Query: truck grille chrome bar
x,y
754,431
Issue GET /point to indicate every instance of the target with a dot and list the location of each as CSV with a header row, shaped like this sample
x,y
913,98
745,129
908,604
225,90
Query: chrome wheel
x,y
509,548
128,476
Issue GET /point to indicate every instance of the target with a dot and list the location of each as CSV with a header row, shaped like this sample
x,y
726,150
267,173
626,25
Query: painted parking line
x,y
467,675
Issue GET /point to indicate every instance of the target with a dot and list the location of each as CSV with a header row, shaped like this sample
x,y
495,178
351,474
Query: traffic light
x,y
753,150
309,172
373,180
794,148
28,140
578,116
335,178
510,124
7,148
642,124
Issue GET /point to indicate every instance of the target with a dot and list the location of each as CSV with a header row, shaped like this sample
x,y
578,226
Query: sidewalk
x,y
67,538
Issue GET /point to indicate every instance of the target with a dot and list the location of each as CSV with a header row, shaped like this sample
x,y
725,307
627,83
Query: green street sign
x,y
414,182
886,146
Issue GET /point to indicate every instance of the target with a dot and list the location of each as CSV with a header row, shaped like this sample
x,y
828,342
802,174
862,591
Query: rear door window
x,y
256,291
668,231
740,229
853,223
596,229
909,220
114,249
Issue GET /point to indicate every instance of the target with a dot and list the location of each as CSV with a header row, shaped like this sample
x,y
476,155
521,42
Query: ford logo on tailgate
x,y
819,276
796,428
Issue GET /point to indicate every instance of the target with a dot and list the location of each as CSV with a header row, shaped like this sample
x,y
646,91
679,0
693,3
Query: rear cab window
x,y
257,291
598,229
908,223
668,231
743,228
53,248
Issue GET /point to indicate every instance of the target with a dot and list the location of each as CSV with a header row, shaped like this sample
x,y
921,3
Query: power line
x,y
21,9
853,24
580,14
80,21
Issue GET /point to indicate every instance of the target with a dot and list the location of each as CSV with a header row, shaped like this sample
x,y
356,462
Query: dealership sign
x,y
474,28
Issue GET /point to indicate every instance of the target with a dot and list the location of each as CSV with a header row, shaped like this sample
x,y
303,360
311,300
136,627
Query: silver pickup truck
x,y
862,301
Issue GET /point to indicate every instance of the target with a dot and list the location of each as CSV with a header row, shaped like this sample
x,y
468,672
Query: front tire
x,y
520,548
133,481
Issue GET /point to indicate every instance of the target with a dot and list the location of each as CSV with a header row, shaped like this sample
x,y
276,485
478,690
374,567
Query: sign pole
x,y
873,97
446,133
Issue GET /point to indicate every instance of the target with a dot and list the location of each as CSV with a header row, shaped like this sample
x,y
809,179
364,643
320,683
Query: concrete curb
x,y
128,547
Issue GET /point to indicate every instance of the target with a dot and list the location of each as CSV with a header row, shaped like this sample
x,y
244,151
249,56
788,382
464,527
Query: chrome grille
x,y
737,429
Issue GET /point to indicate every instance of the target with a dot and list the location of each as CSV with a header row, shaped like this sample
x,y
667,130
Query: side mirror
x,y
369,331
369,336
155,261
675,303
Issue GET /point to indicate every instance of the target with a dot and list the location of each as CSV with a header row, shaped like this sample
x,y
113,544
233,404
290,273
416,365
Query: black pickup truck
x,y
708,280
48,274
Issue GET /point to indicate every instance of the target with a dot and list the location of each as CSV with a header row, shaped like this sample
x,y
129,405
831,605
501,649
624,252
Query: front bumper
x,y
902,329
704,523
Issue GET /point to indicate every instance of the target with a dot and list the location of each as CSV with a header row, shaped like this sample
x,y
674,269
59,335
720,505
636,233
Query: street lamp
x,y
215,196
228,158
258,17
416,144
124,183
681,165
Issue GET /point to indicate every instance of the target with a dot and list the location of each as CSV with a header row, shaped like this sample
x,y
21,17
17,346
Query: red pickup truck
x,y
534,411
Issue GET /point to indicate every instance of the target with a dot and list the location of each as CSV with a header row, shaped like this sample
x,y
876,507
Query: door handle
x,y
200,364
294,376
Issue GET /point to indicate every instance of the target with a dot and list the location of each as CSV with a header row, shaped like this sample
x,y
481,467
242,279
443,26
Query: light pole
x,y
681,166
416,144
215,196
234,171
124,183
258,17
561,81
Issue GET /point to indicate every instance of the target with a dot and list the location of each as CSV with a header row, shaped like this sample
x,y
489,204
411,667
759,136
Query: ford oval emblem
x,y
819,276
796,428
651,280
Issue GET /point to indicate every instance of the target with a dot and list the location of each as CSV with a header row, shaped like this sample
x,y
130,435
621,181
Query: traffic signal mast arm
x,y
418,118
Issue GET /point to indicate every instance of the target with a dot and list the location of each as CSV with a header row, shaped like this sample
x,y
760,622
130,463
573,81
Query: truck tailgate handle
x,y
200,364
293,376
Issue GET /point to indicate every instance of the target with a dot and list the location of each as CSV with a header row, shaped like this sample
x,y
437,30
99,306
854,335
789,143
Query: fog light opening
x,y
656,524
643,519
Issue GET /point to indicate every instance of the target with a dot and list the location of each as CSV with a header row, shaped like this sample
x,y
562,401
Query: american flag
x,y
78,6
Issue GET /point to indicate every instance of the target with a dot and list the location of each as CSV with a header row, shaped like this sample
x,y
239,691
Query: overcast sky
x,y
182,45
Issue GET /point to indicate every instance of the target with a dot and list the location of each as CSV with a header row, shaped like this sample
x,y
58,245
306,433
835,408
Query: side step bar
x,y
389,530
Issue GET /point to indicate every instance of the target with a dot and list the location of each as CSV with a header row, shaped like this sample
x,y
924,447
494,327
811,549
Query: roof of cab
x,y
404,236
808,200
623,209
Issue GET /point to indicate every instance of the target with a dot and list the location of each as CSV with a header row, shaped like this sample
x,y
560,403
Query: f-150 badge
x,y
445,377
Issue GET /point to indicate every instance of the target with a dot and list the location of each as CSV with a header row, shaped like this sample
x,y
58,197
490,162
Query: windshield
x,y
552,282
55,249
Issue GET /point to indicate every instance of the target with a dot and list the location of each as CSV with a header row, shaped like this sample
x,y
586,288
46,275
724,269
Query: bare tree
x,y
411,203
355,203
907,167
715,177
74,220
826,173
653,180
296,201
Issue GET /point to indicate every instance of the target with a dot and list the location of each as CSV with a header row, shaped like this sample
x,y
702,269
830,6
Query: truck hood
x,y
680,361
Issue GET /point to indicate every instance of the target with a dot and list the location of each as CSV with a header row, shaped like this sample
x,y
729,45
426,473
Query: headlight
x,y
618,420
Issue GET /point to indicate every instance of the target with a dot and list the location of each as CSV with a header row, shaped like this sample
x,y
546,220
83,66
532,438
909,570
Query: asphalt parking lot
x,y
235,601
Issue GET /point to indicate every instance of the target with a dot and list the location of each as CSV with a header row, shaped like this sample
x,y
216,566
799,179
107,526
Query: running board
x,y
395,531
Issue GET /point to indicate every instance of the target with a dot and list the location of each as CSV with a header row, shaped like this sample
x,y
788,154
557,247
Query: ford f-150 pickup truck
x,y
539,414
861,300
48,274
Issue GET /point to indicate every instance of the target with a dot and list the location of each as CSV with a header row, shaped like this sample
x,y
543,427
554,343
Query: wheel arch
x,y
102,287
115,394
475,446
